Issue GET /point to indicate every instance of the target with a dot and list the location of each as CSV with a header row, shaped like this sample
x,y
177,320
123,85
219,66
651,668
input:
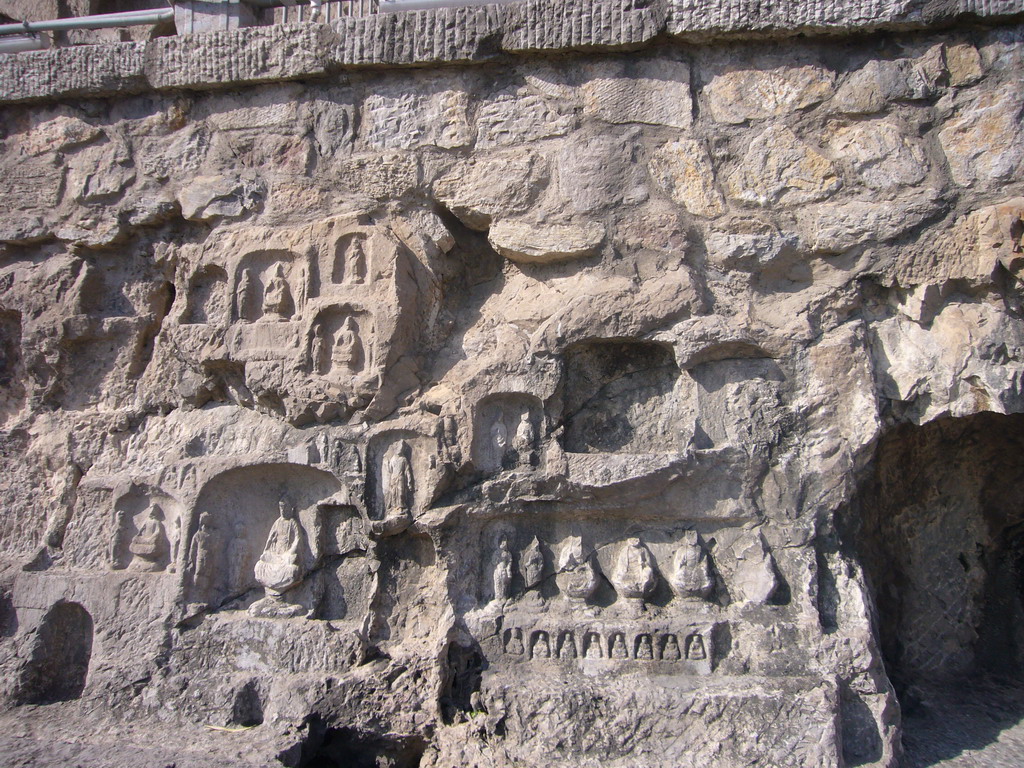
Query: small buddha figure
x,y
347,354
634,575
532,564
695,648
593,646
277,298
200,557
692,577
754,578
503,573
524,441
121,518
150,545
541,646
1017,235
245,297
499,439
398,481
567,646
279,567
577,578
670,651
644,650
514,642
318,350
450,440
397,492
618,649
357,263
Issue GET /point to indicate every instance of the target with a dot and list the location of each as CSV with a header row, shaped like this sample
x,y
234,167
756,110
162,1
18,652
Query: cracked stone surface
x,y
653,403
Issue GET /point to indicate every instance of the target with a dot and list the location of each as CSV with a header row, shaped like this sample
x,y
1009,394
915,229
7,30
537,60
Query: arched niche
x,y
232,518
622,396
147,530
58,664
253,284
507,430
207,299
351,265
383,448
338,342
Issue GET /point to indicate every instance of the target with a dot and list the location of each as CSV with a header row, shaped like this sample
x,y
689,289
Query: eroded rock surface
x,y
515,412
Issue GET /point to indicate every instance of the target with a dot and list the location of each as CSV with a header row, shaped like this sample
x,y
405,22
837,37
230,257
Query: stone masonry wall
x,y
493,413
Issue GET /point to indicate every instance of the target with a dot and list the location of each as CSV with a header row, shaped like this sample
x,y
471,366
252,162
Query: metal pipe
x,y
102,21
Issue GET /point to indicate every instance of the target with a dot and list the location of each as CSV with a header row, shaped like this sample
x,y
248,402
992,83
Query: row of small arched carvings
x,y
568,644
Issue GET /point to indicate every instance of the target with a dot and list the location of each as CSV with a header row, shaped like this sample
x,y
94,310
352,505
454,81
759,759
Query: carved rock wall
x,y
483,414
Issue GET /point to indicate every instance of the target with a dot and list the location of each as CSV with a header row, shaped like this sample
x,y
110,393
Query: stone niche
x,y
207,301
229,533
507,431
396,483
623,396
269,286
739,400
147,531
338,341
351,258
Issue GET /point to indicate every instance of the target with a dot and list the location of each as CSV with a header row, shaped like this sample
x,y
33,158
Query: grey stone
x,y
778,168
601,397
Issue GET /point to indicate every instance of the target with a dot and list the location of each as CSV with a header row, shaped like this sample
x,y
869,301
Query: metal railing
x,y
103,21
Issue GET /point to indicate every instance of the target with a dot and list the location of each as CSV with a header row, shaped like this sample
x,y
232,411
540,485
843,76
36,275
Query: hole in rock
x,y
247,709
941,536
8,615
12,391
59,661
327,747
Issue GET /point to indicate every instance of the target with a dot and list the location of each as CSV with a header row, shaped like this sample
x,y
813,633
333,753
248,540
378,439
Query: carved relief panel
x,y
147,531
568,590
507,431
674,649
256,536
340,342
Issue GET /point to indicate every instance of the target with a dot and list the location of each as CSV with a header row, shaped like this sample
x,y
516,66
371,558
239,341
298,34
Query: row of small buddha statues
x,y
541,644
634,575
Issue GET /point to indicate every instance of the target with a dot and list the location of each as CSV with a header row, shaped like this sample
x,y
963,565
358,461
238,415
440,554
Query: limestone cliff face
x,y
514,412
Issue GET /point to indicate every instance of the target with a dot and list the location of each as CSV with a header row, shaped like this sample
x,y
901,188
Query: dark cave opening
x,y
326,746
940,532
247,707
